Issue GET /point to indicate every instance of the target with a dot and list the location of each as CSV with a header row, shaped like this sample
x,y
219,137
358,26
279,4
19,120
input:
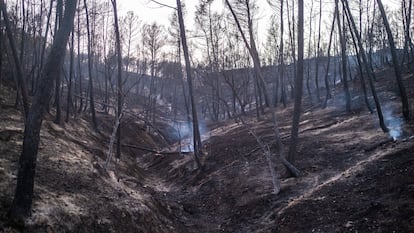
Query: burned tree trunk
x,y
367,67
196,131
69,102
58,81
22,202
328,91
318,54
255,57
344,59
20,80
298,87
397,69
119,60
92,101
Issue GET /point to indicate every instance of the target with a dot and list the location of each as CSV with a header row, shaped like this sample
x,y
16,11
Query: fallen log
x,y
378,144
155,151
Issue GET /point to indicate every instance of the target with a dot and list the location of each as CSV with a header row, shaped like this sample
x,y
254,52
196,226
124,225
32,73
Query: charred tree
x,y
119,84
23,197
344,58
397,69
367,67
318,96
17,62
196,131
69,102
282,59
361,72
78,35
294,135
259,77
90,86
58,81
327,87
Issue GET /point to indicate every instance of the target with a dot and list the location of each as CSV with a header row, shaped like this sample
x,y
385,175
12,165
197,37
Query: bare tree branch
x,y
162,4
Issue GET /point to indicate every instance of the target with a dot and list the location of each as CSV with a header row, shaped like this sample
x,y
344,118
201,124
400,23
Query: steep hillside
x,y
73,192
355,177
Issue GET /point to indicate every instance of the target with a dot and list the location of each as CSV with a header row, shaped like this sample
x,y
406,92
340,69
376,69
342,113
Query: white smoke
x,y
393,123
184,133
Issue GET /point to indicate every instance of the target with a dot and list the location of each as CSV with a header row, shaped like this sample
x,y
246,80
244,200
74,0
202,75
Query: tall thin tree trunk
x,y
196,131
292,169
43,50
69,102
58,81
367,68
361,72
318,96
282,59
308,88
23,31
78,34
397,69
342,42
19,71
327,87
23,197
119,92
294,135
90,85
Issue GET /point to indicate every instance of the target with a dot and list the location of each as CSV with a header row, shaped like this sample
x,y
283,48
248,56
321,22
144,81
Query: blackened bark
x,y
58,88
43,50
318,96
328,91
397,69
260,81
20,80
69,102
367,67
22,202
120,100
90,86
196,131
361,72
344,59
282,60
294,135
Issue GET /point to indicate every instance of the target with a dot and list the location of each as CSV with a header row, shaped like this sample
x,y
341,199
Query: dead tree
x,y
344,58
119,89
58,81
113,137
196,131
328,91
308,88
69,100
397,69
366,67
22,202
282,59
90,86
17,62
408,44
318,96
255,57
361,72
298,87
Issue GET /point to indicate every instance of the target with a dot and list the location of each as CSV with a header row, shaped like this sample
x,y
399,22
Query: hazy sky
x,y
149,12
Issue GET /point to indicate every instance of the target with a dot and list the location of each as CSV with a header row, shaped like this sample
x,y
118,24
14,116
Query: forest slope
x,y
73,192
356,178
349,164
